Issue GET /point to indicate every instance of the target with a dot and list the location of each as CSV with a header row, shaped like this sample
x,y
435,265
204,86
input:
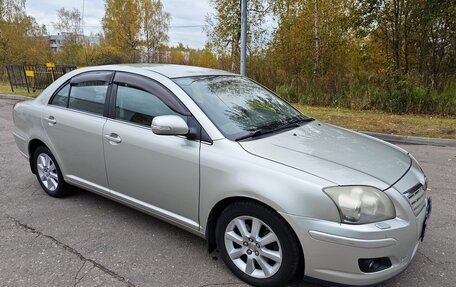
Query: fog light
x,y
370,265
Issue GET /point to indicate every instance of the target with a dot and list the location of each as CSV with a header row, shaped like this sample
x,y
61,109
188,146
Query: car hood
x,y
338,155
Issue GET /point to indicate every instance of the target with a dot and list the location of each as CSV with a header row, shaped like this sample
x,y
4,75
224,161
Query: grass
x,y
382,122
5,88
373,121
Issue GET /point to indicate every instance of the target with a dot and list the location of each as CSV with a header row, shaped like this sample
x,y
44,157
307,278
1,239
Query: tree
x,y
317,41
121,26
311,44
206,58
69,21
154,30
223,28
11,10
417,36
22,41
69,25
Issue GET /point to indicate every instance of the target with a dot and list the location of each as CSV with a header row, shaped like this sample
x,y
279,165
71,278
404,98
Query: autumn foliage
x,y
393,55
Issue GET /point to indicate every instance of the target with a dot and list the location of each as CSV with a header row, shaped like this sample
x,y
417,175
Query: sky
x,y
183,13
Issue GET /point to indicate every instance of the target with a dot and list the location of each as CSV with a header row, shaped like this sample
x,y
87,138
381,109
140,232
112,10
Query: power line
x,y
99,26
188,26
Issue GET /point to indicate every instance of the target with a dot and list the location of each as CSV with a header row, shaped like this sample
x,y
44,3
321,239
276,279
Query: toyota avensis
x,y
282,196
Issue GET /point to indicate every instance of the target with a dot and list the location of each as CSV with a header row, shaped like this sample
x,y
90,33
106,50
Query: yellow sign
x,y
29,73
50,65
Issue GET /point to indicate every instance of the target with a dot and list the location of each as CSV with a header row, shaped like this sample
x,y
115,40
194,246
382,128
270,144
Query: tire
x,y
48,173
282,254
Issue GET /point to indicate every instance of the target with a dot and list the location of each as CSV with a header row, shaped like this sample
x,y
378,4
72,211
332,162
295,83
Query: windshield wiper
x,y
298,120
254,134
294,123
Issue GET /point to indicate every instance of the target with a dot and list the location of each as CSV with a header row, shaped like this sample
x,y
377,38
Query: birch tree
x,y
154,30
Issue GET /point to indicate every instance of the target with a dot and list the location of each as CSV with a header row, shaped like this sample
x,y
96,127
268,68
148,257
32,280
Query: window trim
x,y
93,76
147,85
108,78
199,132
57,91
115,88
103,114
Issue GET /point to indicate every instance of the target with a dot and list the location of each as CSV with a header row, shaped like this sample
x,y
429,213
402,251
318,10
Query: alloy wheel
x,y
253,247
47,172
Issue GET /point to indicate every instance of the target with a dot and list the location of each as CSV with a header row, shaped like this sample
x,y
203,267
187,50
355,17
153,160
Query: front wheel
x,y
48,173
257,244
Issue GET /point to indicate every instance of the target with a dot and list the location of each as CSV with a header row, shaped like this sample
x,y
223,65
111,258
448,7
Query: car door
x,y
154,172
74,120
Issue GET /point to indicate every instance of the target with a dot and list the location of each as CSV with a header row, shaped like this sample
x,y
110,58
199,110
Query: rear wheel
x,y
48,173
257,244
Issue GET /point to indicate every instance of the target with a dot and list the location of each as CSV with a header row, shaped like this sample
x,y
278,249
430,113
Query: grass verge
x,y
5,88
377,121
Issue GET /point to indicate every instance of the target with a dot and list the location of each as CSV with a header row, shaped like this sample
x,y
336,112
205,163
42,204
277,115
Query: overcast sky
x,y
183,13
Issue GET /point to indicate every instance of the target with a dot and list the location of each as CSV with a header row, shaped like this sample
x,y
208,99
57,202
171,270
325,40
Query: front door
x,y
157,173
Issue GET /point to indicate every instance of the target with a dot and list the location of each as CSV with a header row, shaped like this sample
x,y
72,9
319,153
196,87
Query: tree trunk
x,y
317,41
406,35
396,35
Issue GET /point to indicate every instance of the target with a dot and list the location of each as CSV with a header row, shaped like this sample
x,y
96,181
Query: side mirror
x,y
169,125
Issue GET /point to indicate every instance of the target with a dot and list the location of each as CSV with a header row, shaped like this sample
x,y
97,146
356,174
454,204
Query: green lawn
x,y
377,121
5,88
373,121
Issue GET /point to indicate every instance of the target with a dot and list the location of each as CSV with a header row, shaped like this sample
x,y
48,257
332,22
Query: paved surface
x,y
87,240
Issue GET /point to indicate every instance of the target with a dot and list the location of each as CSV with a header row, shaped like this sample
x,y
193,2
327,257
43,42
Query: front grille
x,y
417,198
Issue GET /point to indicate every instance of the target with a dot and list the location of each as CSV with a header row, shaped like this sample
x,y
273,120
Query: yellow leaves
x,y
121,24
131,25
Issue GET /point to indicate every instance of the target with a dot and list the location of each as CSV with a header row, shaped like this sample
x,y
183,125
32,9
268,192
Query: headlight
x,y
361,204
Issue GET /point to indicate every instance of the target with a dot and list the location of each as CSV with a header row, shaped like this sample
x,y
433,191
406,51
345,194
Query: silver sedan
x,y
281,195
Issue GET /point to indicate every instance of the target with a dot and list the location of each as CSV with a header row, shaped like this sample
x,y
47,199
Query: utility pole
x,y
243,36
84,46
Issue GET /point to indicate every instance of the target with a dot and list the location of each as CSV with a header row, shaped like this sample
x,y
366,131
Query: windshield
x,y
238,106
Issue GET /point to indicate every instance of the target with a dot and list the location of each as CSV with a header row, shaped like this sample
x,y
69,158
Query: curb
x,y
385,137
15,97
412,140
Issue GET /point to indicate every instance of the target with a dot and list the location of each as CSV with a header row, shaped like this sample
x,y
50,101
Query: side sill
x,y
155,211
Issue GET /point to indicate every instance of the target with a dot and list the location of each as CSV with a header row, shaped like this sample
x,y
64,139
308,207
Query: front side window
x,y
238,106
88,96
61,98
138,106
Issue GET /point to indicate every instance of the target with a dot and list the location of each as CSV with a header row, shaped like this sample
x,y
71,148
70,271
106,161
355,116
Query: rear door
x,y
155,172
74,120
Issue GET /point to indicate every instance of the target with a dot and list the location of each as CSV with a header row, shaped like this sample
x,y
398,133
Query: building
x,y
57,42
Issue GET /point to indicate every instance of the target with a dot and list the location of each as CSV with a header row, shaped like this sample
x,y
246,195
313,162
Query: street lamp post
x,y
243,36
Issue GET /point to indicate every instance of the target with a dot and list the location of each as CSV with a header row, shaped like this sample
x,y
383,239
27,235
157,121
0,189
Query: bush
x,y
104,55
288,93
401,95
416,100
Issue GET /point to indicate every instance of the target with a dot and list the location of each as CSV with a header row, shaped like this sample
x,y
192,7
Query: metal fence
x,y
35,77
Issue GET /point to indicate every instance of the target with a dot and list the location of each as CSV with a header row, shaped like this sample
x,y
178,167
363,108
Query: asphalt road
x,y
87,240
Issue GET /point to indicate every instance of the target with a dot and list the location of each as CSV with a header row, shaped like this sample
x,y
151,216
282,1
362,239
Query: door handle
x,y
51,120
113,138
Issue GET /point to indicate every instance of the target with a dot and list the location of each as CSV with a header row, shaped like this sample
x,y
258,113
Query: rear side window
x,y
140,107
61,98
88,96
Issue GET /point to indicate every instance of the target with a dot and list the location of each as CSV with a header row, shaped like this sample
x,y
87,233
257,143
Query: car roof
x,y
179,71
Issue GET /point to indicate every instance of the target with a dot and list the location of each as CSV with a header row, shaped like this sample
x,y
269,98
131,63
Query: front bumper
x,y
332,250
